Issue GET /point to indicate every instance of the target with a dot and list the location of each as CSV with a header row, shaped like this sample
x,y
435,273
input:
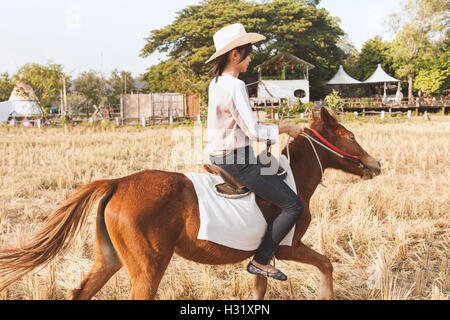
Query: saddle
x,y
231,188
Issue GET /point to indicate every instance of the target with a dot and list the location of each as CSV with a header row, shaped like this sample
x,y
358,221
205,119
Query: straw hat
x,y
231,37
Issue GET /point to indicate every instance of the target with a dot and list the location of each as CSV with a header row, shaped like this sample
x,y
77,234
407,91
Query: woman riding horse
x,y
232,126
143,219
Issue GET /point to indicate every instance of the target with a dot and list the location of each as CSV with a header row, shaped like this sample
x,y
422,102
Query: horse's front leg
x,y
304,254
259,287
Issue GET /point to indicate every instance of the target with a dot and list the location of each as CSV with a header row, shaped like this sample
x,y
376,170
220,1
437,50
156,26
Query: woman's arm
x,y
291,129
247,120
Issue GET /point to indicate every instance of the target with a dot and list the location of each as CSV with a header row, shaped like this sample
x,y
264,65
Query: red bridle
x,y
345,154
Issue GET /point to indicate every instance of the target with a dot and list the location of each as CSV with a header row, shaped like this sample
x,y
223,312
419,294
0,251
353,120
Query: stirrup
x,y
282,173
226,191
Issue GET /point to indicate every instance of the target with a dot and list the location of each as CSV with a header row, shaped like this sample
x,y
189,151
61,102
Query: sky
x,y
103,35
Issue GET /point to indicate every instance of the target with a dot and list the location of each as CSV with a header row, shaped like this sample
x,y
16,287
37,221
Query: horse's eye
x,y
352,137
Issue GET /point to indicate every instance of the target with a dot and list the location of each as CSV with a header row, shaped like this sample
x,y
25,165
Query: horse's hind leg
x,y
145,279
99,274
106,263
144,254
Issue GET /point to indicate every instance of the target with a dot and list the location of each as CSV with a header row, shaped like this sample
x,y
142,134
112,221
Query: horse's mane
x,y
295,144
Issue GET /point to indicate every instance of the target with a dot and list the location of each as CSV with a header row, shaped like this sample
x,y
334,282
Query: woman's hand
x,y
291,129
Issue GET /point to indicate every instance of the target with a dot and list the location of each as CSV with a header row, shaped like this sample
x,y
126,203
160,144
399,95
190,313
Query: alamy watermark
x,y
191,147
73,21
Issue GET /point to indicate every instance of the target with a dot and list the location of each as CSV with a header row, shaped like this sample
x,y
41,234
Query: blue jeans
x,y
244,167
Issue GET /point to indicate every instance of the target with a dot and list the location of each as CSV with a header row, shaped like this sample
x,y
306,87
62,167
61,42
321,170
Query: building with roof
x,y
22,103
284,65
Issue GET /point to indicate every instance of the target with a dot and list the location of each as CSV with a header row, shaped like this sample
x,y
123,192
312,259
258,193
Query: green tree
x,y
92,86
334,101
46,81
119,82
433,74
297,27
419,25
374,51
430,81
76,104
351,55
6,86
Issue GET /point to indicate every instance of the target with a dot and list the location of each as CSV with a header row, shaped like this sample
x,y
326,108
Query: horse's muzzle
x,y
372,168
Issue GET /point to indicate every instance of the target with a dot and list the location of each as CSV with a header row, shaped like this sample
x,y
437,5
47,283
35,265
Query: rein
x,y
335,150
327,145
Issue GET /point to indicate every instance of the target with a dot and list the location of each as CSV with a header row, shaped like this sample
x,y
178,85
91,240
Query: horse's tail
x,y
57,232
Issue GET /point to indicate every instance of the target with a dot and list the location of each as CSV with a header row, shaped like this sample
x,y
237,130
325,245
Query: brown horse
x,y
143,218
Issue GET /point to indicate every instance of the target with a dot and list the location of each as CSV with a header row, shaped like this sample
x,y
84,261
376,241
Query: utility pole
x,y
61,106
65,94
63,97
125,82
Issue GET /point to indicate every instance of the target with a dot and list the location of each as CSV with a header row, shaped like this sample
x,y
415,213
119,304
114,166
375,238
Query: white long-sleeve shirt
x,y
231,122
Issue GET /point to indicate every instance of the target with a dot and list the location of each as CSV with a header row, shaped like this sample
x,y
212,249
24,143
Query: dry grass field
x,y
387,238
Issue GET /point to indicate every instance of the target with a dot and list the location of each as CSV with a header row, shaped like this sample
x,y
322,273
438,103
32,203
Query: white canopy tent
x,y
341,77
380,76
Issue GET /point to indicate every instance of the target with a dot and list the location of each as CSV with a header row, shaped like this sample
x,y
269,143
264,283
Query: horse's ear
x,y
313,116
333,114
327,118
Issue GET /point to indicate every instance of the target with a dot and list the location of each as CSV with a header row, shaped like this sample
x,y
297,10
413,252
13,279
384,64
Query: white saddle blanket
x,y
235,223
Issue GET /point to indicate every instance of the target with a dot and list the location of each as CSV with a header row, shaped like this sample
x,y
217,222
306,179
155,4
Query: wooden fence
x,y
375,105
192,106
158,106
364,106
154,108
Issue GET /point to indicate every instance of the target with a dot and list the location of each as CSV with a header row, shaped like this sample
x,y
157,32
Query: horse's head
x,y
361,164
